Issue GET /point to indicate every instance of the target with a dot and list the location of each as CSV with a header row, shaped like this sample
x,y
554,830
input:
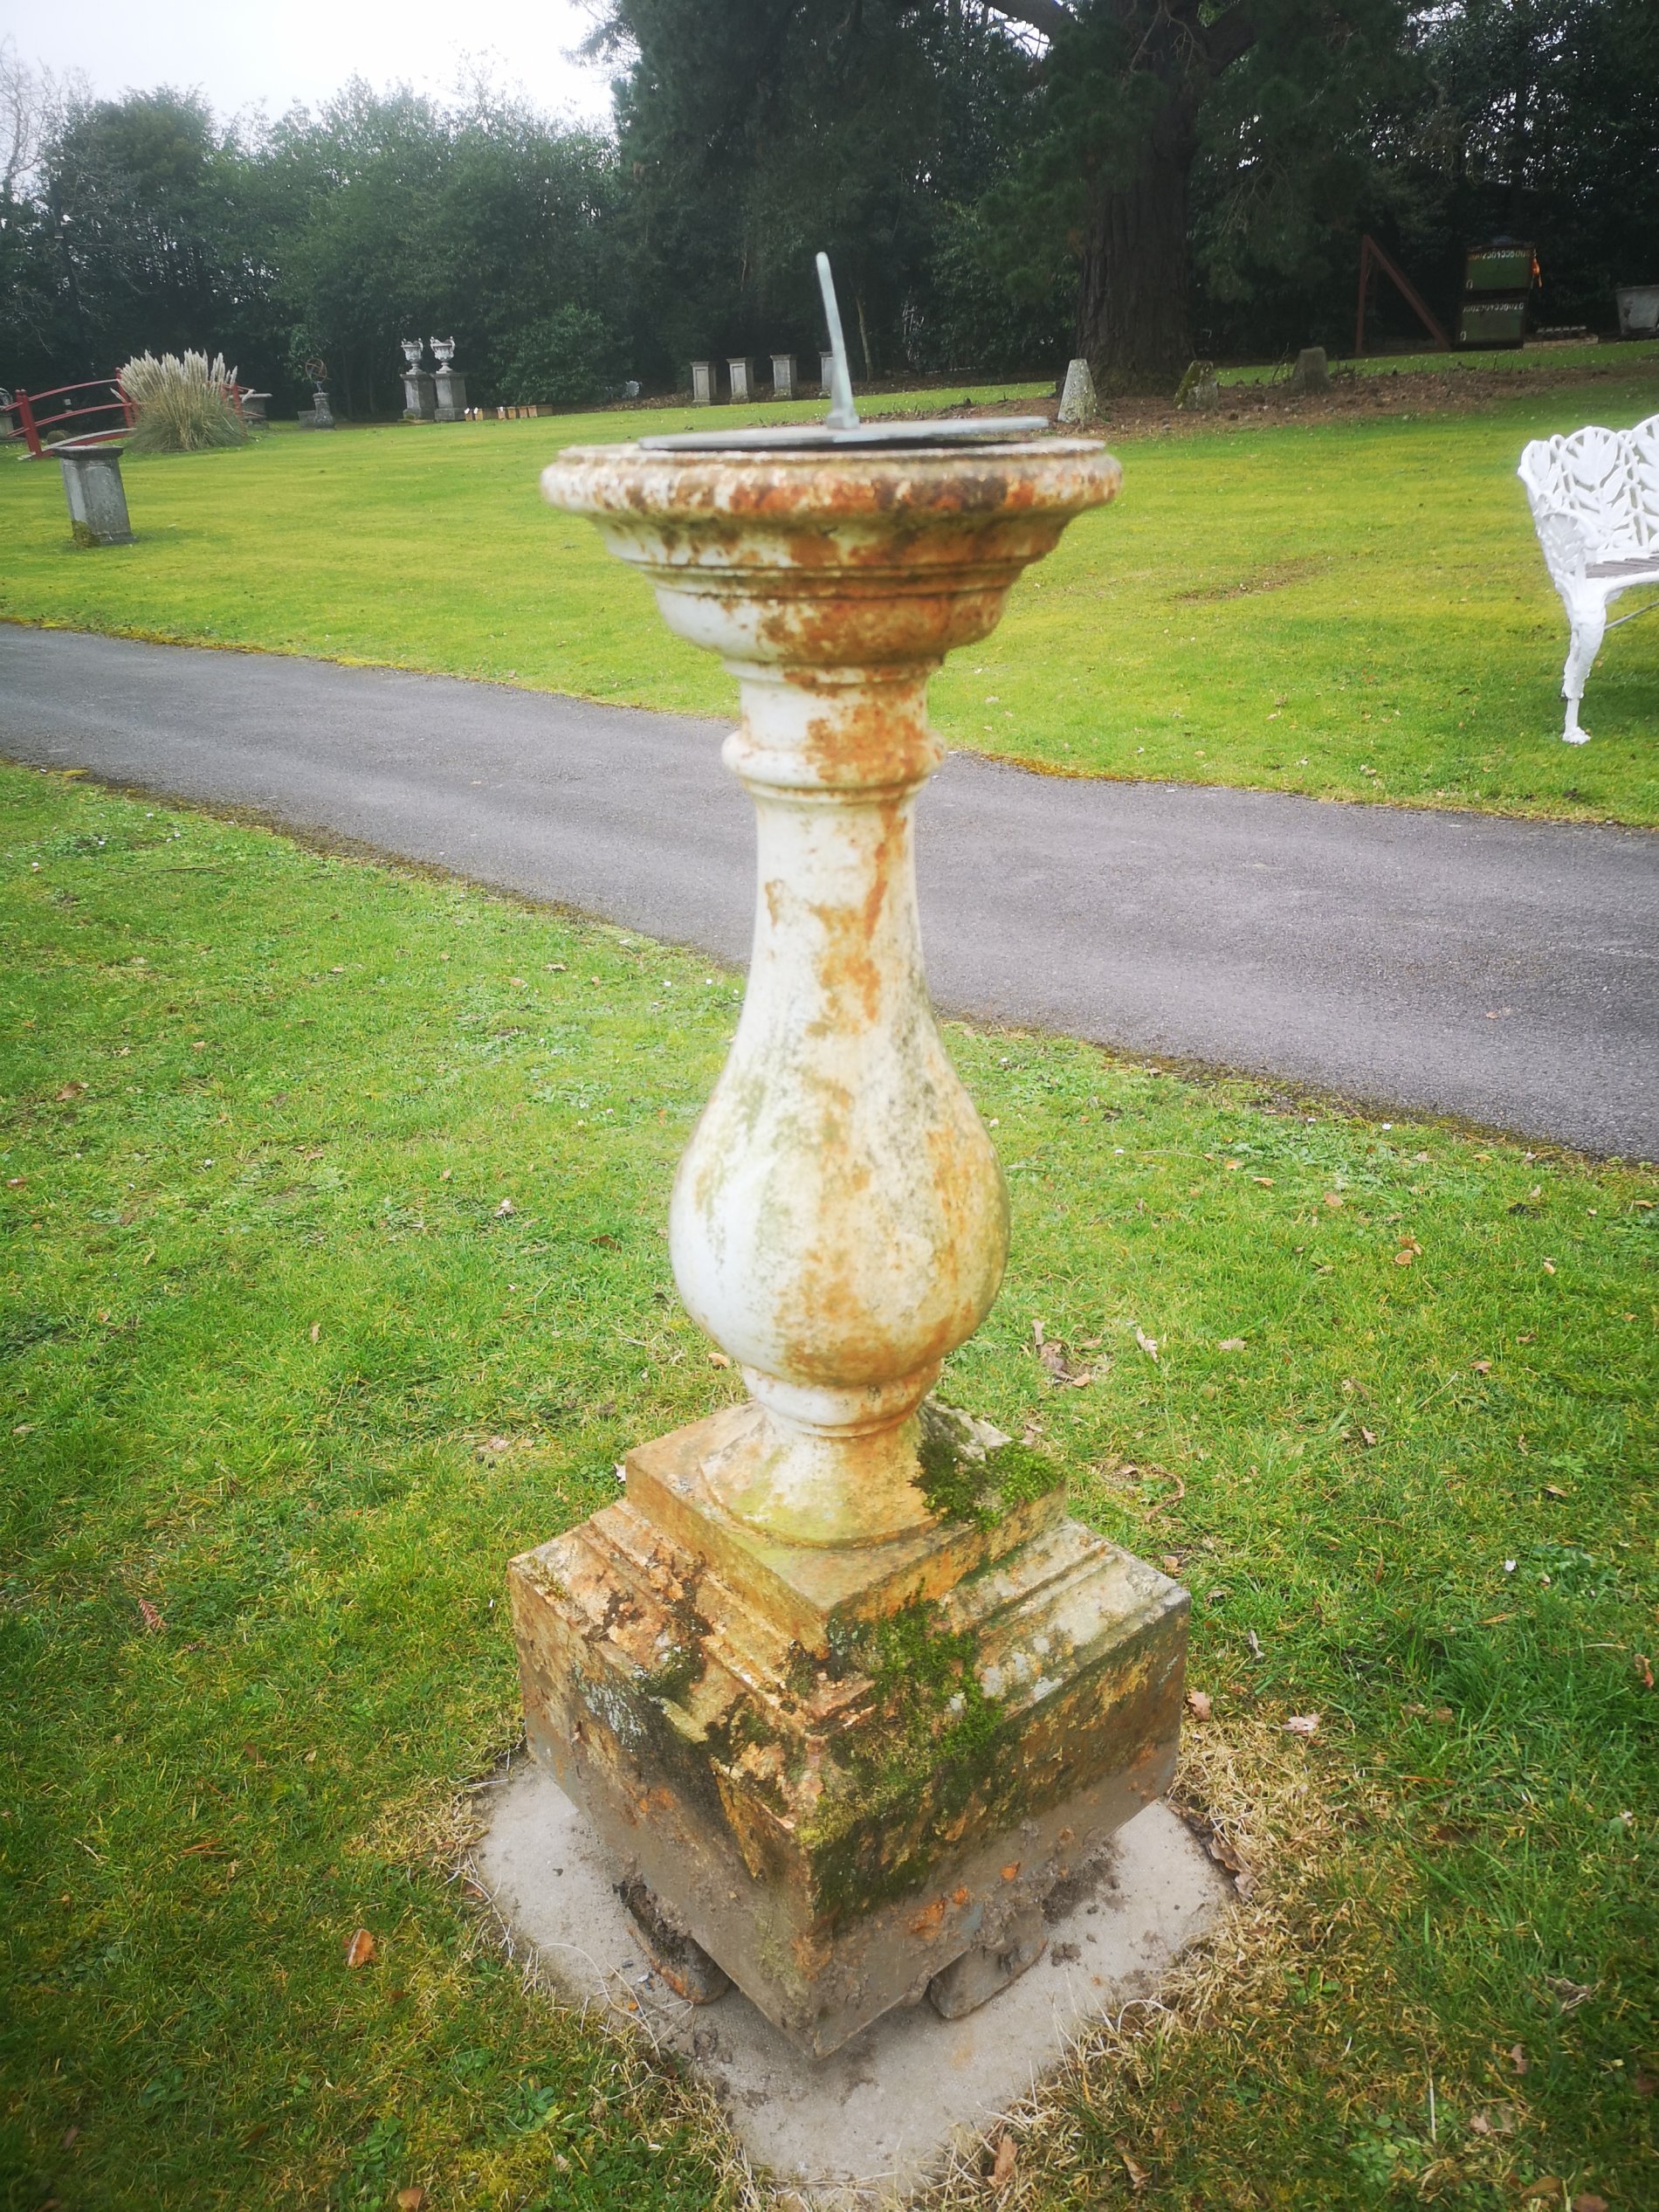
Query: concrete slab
x,y
881,2116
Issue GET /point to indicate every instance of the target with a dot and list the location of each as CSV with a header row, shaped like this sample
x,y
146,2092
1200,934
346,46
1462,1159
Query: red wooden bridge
x,y
106,416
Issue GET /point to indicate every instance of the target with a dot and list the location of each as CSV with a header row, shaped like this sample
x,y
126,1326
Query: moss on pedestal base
x,y
838,1771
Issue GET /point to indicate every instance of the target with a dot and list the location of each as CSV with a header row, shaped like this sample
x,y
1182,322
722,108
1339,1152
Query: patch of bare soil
x,y
1395,391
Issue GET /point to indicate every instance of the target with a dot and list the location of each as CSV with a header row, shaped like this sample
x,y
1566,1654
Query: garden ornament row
x,y
786,381
1594,497
844,1689
428,398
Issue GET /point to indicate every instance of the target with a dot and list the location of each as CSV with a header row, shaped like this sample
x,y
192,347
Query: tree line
x,y
999,186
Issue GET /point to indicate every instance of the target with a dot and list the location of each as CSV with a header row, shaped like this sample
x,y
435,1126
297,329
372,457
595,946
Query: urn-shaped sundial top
x,y
839,1224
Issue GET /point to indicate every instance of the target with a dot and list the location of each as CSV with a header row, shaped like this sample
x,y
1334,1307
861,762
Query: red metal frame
x,y
29,424
1372,254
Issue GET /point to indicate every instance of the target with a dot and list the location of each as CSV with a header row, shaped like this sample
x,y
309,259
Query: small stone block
x,y
985,1971
683,1963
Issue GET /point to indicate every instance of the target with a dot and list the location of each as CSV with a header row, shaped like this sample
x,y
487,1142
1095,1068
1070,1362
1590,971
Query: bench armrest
x,y
1567,549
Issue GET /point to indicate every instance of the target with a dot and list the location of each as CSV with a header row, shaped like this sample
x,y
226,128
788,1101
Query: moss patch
x,y
964,1479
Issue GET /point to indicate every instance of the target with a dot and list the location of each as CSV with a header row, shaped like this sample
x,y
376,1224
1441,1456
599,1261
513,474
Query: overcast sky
x,y
273,53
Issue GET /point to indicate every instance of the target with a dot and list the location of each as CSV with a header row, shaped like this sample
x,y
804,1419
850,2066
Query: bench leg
x,y
1589,620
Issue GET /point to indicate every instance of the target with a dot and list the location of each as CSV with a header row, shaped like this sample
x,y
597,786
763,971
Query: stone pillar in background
x,y
702,383
841,1687
738,372
1313,371
449,384
783,377
419,399
321,415
1077,401
96,495
826,372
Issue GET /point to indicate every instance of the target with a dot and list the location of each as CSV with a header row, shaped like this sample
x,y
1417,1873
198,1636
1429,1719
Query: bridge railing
x,y
21,416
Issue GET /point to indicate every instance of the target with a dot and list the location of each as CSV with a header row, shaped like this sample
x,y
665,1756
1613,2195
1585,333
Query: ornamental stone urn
x,y
844,1691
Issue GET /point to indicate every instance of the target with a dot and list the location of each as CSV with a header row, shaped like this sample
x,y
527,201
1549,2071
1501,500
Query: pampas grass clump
x,y
183,405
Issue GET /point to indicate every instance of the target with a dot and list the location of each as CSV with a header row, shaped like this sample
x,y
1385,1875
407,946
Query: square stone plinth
x,y
882,2116
841,1770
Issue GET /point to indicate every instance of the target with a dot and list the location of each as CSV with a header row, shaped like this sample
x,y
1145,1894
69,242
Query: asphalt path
x,y
1501,971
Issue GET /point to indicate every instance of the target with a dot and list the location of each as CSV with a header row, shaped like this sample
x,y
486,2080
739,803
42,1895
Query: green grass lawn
x,y
286,1383
1354,607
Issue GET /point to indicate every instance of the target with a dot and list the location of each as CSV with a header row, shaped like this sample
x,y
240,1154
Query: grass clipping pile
x,y
184,404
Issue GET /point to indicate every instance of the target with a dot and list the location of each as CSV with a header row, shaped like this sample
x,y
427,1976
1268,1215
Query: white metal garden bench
x,y
1594,497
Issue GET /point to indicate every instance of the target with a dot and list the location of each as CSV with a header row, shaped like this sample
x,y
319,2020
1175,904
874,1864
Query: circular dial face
x,y
805,437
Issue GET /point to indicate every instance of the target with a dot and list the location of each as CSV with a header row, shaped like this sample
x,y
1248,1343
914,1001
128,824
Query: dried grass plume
x,y
184,404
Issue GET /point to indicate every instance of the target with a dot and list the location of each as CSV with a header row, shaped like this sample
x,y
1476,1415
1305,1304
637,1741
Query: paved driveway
x,y
1504,971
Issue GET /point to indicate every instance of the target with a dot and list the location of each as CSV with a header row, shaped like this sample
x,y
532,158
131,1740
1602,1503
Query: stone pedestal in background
x,y
1077,401
783,377
96,496
702,383
420,396
826,372
319,416
738,372
450,386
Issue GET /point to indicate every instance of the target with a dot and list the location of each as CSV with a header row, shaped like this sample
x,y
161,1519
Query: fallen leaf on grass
x,y
1549,1267
1367,1436
1231,1344
1480,1366
1303,1724
718,1359
1497,2119
1644,1668
152,1619
1266,1181
1006,2159
316,1331
1138,2174
410,2200
1588,2201
498,1444
1198,1704
1568,1995
1517,2058
1148,1343
71,1090
1170,1562
505,1208
1056,1360
1543,2191
360,1951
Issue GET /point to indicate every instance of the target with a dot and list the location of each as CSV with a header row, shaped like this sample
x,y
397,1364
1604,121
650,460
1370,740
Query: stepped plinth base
x,y
839,1769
